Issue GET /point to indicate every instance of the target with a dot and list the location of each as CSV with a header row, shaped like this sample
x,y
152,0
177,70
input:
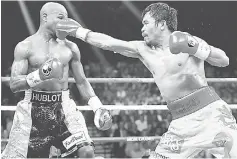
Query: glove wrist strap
x,y
82,33
95,103
203,51
33,78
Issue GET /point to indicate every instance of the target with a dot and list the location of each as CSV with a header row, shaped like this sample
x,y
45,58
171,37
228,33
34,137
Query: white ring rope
x,y
124,107
117,107
117,139
136,80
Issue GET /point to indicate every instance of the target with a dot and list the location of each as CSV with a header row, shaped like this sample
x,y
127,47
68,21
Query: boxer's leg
x,y
225,140
42,134
17,146
76,139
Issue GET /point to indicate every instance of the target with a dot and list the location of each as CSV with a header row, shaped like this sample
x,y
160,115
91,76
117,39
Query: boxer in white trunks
x,y
47,116
201,119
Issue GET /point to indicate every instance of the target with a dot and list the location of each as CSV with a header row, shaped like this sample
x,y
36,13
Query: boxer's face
x,y
54,17
150,30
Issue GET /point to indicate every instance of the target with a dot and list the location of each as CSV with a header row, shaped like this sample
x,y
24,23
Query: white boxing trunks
x,y
44,119
202,121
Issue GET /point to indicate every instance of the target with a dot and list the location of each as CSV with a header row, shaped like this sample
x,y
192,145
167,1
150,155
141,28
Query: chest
x,y
161,62
41,52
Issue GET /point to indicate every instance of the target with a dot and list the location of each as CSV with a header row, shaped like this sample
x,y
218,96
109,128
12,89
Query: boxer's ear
x,y
162,24
44,17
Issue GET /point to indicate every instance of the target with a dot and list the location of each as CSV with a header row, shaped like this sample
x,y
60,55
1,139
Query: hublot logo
x,y
40,97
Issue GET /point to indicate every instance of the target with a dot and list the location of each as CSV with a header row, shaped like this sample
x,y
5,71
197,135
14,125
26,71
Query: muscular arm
x,y
107,42
217,57
82,83
19,68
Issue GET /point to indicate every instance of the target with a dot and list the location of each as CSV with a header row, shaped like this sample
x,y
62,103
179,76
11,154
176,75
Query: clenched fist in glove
x,y
186,43
51,69
72,28
103,118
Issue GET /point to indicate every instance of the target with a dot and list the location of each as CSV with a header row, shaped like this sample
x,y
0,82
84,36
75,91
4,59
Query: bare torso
x,y
175,75
40,51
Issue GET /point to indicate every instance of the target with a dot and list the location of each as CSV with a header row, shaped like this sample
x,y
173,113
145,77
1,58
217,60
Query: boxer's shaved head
x,y
52,8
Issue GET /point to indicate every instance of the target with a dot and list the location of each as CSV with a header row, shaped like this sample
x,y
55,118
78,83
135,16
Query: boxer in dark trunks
x,y
47,116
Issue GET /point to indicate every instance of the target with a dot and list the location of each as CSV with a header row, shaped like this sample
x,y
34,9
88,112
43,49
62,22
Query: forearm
x,y
19,83
86,90
217,57
94,38
89,95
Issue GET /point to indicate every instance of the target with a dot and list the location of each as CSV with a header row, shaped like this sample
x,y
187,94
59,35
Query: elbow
x,y
106,46
225,60
13,87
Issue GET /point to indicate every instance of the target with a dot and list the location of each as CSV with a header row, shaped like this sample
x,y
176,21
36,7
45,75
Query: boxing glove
x,y
102,118
186,43
51,69
72,28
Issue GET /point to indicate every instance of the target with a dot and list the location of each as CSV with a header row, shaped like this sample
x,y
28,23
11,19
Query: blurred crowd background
x,y
216,22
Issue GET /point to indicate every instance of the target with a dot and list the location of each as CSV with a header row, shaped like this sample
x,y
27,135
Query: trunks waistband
x,y
46,96
192,102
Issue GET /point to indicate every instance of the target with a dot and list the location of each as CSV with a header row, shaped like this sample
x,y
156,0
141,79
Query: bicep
x,y
125,48
19,67
217,57
78,72
20,63
76,65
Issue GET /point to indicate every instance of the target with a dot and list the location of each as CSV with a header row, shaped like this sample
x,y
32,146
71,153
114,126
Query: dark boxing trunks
x,y
48,126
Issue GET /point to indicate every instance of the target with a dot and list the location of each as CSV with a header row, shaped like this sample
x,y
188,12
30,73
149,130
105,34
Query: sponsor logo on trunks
x,y
171,142
75,139
220,139
220,143
226,118
46,97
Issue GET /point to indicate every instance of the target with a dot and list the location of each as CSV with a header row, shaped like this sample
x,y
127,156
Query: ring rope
x,y
123,107
117,107
136,80
117,139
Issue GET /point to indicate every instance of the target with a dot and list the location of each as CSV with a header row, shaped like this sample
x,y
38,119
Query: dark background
x,y
215,22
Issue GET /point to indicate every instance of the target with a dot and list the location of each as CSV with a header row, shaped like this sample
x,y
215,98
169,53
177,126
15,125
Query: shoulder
x,y
71,45
22,48
141,47
138,44
76,54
